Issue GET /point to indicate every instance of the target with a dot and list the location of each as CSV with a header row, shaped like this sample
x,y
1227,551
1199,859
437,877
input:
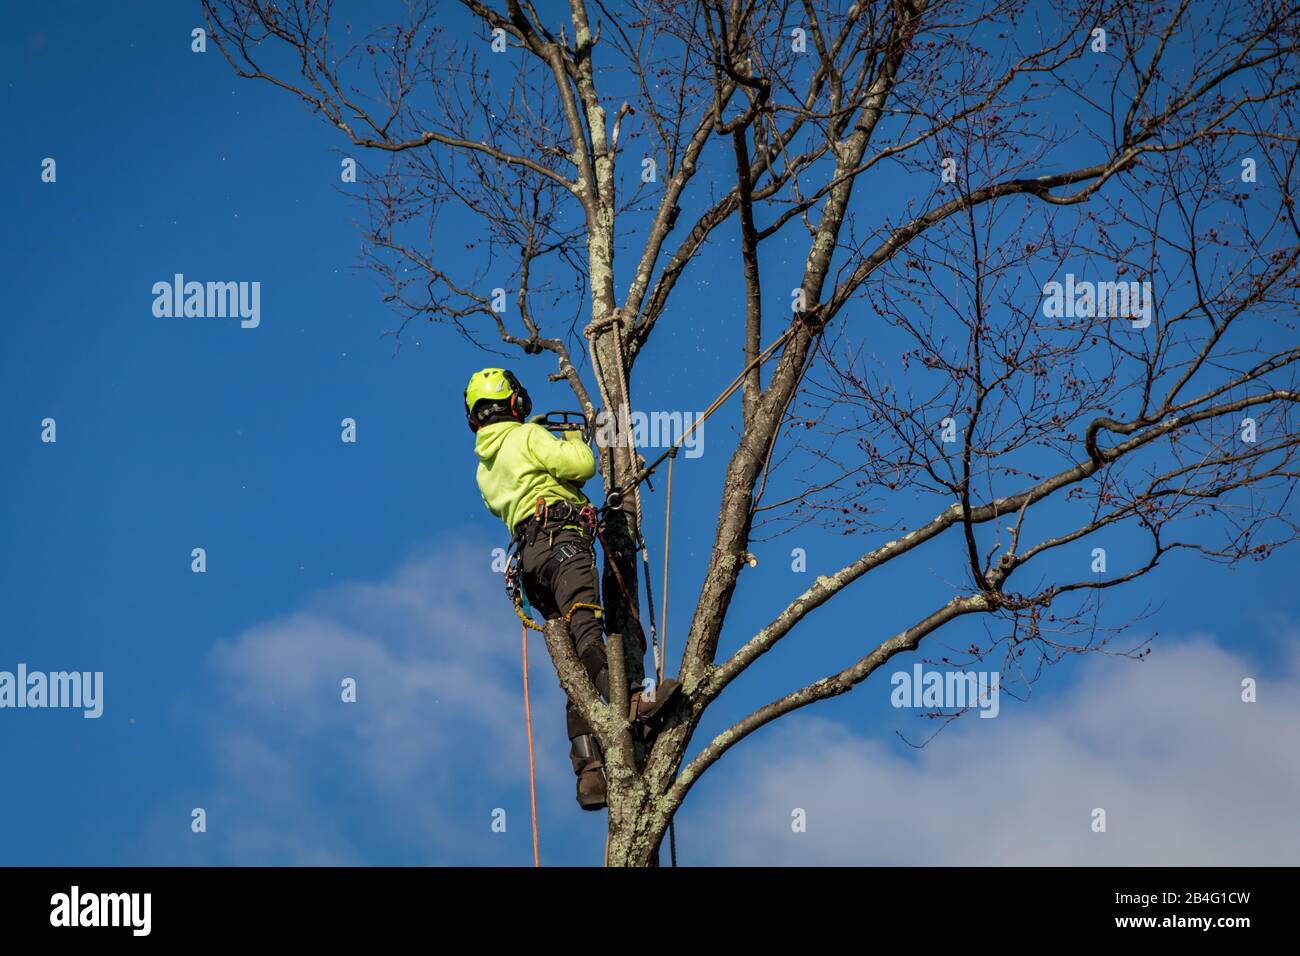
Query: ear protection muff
x,y
521,403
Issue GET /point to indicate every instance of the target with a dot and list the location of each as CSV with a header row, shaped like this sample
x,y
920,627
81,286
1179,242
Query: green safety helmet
x,y
496,385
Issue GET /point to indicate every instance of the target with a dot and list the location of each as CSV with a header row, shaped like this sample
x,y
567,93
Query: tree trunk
x,y
636,828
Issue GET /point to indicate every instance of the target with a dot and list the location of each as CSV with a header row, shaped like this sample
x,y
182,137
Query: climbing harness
x,y
515,591
545,514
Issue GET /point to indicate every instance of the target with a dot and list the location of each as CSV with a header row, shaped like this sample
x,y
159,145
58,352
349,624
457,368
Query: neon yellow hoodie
x,y
519,463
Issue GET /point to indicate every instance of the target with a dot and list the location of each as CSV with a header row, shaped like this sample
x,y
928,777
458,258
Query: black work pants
x,y
558,565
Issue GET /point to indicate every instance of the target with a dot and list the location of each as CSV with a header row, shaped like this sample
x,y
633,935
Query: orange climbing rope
x,y
528,706
532,766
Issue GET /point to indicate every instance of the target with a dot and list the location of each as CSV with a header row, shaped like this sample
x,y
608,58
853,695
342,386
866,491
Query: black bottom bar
x,y
927,905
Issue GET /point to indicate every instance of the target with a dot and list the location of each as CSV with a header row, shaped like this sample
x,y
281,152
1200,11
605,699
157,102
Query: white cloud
x,y
1186,772
434,743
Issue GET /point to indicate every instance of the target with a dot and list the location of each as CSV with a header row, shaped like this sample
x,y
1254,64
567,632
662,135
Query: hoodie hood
x,y
490,438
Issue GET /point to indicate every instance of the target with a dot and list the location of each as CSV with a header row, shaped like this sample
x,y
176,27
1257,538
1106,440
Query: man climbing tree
x,y
1001,254
533,483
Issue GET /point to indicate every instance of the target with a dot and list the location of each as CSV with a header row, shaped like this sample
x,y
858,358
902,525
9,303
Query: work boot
x,y
584,752
644,709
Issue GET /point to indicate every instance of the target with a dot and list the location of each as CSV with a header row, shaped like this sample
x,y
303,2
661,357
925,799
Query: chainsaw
x,y
564,422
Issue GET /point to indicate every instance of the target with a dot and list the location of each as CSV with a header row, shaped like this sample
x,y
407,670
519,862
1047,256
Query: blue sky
x,y
372,559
